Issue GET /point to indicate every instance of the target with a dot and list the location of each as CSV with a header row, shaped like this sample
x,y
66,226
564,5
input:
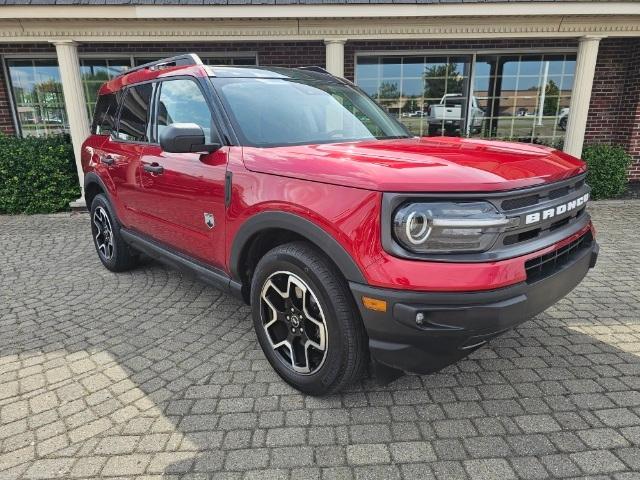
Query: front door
x,y
182,194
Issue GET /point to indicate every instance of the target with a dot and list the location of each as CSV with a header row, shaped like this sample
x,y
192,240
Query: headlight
x,y
448,227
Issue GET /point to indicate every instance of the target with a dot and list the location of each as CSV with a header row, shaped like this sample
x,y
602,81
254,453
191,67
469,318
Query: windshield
x,y
269,112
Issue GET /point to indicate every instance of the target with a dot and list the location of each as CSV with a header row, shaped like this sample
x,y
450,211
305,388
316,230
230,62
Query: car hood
x,y
418,164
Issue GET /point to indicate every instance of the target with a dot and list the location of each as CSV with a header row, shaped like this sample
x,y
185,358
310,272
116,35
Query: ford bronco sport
x,y
351,239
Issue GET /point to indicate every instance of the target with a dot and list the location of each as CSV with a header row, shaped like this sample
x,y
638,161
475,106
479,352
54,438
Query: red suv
x,y
350,238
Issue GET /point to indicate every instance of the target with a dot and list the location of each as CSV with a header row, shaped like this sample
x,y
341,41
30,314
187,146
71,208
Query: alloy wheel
x,y
294,322
103,233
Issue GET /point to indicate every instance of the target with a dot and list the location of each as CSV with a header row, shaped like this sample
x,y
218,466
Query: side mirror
x,y
185,138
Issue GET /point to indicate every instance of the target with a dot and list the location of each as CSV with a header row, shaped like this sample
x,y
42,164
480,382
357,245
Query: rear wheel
x,y
563,123
112,250
305,320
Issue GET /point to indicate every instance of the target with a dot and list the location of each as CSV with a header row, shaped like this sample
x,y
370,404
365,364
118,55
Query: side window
x,y
104,118
134,114
181,101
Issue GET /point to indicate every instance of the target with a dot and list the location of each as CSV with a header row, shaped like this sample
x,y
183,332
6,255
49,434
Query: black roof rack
x,y
315,68
177,61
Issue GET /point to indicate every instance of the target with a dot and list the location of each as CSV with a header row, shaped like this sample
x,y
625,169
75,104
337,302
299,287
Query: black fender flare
x,y
92,177
302,226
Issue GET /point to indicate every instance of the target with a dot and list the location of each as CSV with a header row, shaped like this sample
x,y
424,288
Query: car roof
x,y
140,75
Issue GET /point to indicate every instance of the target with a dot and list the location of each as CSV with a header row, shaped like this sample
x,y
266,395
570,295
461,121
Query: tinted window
x,y
135,113
181,101
104,119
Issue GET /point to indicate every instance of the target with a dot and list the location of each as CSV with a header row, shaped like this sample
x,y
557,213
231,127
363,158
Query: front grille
x,y
559,192
545,265
522,201
548,197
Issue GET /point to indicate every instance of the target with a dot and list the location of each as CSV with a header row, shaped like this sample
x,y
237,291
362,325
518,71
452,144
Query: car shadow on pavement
x,y
151,372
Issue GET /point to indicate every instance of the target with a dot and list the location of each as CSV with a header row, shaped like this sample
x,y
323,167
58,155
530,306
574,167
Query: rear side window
x,y
104,118
134,114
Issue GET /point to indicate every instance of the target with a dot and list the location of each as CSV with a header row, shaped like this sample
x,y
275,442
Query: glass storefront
x,y
523,97
518,97
37,95
427,93
37,89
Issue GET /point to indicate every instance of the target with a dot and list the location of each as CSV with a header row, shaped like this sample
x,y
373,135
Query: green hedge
x,y
608,166
37,175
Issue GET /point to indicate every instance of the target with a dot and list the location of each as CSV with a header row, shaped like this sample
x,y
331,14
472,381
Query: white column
x,y
581,95
335,56
74,102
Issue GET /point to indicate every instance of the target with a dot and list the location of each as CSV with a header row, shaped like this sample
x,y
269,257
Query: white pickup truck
x,y
448,114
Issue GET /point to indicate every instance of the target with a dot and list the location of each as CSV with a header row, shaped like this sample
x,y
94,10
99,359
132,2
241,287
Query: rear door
x,y
182,194
122,150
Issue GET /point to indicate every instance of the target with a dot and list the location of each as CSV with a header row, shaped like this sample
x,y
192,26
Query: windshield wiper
x,y
392,137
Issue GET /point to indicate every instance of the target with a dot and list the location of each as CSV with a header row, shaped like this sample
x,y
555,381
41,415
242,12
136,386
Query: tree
x,y
551,99
387,90
441,79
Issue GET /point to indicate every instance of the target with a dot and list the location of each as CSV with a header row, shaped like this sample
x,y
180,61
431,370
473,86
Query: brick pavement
x,y
151,373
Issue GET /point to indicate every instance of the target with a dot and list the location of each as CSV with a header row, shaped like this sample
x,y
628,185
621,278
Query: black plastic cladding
x,y
545,265
514,203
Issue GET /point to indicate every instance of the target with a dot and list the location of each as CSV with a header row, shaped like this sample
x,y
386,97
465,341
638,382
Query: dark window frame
x,y
123,96
115,115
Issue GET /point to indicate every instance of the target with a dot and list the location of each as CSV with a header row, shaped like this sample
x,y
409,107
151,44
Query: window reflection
x,y
37,88
519,97
525,98
95,72
37,93
427,93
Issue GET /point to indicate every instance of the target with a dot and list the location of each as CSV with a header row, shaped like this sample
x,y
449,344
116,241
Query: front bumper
x,y
455,324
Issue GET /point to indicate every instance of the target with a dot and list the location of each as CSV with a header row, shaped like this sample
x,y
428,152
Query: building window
x,y
37,88
95,72
413,89
37,95
518,97
524,97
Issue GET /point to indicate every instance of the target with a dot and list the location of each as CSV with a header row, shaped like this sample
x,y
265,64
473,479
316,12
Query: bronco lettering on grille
x,y
557,210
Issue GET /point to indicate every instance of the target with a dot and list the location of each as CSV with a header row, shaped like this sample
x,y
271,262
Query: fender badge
x,y
209,220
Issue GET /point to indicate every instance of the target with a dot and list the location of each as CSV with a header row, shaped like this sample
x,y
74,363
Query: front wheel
x,y
306,320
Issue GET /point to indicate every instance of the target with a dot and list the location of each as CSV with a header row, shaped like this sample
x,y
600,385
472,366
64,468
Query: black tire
x,y
563,123
113,252
346,354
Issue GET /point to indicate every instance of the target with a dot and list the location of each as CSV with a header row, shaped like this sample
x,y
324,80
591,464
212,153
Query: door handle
x,y
154,168
107,159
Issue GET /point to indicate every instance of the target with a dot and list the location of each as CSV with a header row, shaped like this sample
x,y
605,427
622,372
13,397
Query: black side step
x,y
206,273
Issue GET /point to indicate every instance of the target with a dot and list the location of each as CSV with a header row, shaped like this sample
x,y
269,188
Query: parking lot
x,y
153,373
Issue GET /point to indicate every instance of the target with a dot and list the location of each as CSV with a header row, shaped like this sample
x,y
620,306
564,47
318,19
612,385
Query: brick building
x,y
562,72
